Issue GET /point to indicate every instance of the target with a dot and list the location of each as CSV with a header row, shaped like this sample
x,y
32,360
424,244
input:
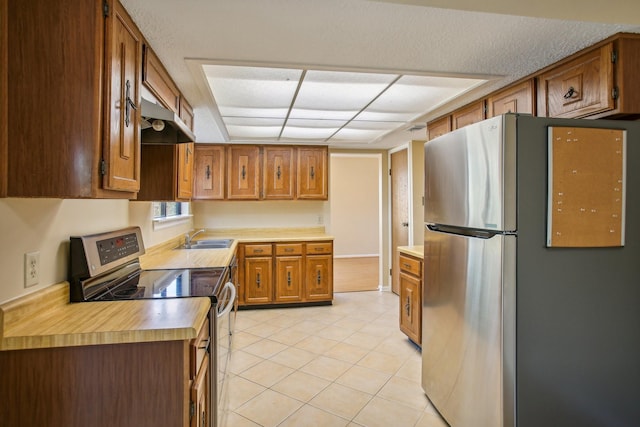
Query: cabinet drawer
x,y
289,249
410,265
580,87
319,248
198,351
258,250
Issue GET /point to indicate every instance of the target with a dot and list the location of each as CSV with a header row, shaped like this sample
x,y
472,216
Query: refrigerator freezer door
x,y
470,176
468,335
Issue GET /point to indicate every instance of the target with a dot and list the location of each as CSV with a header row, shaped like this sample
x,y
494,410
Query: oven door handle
x,y
231,289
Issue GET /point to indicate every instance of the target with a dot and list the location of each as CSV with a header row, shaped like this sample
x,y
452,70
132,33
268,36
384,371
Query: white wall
x,y
260,214
355,204
45,225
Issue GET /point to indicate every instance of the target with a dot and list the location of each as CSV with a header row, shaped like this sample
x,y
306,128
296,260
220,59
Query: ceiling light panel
x,y
337,95
314,129
252,91
412,96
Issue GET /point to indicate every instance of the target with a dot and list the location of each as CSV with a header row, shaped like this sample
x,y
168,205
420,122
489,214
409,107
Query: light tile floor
x,y
346,364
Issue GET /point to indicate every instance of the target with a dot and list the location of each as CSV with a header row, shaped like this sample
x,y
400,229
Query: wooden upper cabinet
x,y
210,172
186,161
580,87
156,78
598,82
243,180
122,124
438,127
518,98
167,171
81,145
472,113
278,172
312,176
186,112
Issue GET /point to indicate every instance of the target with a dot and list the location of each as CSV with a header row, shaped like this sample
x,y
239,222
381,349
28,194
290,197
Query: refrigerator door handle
x,y
470,232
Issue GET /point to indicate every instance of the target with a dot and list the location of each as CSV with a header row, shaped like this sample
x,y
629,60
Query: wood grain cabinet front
x,y
243,180
210,172
87,64
472,113
519,98
312,175
158,383
167,172
411,297
156,78
438,127
278,173
285,273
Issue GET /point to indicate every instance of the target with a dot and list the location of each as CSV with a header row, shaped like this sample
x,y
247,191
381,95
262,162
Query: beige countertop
x,y
167,256
417,251
47,318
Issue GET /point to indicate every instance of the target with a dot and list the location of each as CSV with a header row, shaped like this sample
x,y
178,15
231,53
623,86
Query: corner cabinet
x,y
285,273
411,297
86,140
167,172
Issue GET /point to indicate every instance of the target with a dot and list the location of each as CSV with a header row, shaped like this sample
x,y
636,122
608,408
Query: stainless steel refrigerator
x,y
517,330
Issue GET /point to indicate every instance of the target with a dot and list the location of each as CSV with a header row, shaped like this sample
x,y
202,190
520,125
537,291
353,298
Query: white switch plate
x,y
31,269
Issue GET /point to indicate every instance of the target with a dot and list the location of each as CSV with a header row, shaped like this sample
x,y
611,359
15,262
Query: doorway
x,y
356,211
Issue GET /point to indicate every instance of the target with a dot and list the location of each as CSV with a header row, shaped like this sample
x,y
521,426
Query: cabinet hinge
x,y
192,409
614,92
103,167
390,272
614,56
389,172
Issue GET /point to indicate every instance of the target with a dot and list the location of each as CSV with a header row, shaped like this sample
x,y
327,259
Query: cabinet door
x,y
312,173
243,181
122,98
288,279
278,172
158,81
319,277
200,396
258,283
472,113
579,87
209,172
186,112
515,99
438,127
185,170
410,308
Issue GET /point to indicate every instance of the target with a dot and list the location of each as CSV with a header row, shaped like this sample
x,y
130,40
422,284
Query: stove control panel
x,y
118,247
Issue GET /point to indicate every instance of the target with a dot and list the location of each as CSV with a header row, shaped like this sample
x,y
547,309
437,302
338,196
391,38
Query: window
x,y
166,209
168,214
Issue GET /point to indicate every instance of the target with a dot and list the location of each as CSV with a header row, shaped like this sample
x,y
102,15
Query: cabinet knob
x,y
258,280
288,278
129,104
207,173
318,277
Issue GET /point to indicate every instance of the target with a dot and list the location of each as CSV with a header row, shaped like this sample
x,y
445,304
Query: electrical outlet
x,y
31,268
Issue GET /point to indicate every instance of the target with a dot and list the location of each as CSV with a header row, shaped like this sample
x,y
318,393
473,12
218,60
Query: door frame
x,y
378,156
406,146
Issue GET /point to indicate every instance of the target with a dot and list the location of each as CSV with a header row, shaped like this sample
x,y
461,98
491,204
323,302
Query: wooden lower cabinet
x,y
285,273
411,297
146,384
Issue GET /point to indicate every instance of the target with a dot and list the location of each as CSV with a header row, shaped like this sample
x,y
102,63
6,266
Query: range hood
x,y
162,126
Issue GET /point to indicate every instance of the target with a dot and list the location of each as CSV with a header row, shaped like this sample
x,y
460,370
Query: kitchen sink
x,y
209,244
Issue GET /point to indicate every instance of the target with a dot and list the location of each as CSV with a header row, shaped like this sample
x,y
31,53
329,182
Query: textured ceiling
x,y
400,36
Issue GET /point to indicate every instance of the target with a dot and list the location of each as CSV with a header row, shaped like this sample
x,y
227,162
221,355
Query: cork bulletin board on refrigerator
x,y
586,201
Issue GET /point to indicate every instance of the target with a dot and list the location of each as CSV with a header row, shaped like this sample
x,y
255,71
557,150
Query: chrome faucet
x,y
188,239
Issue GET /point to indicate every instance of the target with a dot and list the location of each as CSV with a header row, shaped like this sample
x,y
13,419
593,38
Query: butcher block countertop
x,y
47,319
416,251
